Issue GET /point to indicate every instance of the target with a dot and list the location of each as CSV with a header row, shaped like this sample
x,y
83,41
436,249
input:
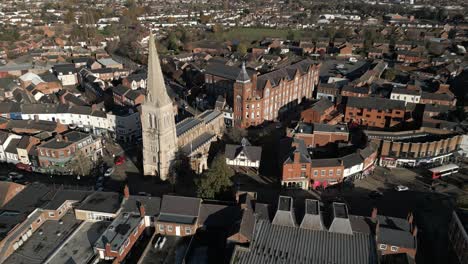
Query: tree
x,y
242,48
291,35
69,17
390,74
215,180
81,164
235,134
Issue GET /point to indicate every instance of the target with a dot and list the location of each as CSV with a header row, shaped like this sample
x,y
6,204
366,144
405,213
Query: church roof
x,y
157,93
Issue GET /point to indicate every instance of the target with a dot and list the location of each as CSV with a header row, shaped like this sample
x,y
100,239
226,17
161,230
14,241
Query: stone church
x,y
162,137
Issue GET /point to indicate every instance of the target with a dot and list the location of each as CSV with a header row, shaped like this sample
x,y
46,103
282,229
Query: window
x,y
338,172
169,228
330,173
315,173
322,173
38,220
303,166
394,248
51,214
161,228
188,230
382,246
303,174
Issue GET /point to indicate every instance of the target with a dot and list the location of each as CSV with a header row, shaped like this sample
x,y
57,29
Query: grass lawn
x,y
251,34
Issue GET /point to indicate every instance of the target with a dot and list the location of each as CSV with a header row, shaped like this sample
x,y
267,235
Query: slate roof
x,y
436,96
325,162
351,160
152,205
283,244
219,215
120,89
375,103
405,91
118,231
253,153
286,73
65,195
395,231
301,148
322,105
65,68
225,71
179,209
11,148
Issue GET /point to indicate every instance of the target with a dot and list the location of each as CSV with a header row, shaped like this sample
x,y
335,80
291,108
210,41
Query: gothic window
x,y
150,117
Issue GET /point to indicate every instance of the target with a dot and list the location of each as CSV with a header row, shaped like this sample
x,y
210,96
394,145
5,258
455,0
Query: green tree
x,y
172,42
216,180
242,48
390,74
69,17
291,35
81,164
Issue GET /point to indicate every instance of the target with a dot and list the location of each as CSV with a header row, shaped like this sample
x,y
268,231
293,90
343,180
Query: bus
x,y
443,171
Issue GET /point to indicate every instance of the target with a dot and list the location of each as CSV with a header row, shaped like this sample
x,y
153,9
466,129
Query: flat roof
x,y
80,247
45,240
444,167
105,202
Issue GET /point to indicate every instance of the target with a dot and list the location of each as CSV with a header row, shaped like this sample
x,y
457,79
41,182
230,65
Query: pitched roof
x,y
375,103
253,153
179,209
286,73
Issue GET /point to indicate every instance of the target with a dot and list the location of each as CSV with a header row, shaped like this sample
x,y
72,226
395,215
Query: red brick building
x,y
318,112
376,112
266,97
318,135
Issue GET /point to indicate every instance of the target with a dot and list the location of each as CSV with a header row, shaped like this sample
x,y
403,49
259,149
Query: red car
x,y
119,160
24,167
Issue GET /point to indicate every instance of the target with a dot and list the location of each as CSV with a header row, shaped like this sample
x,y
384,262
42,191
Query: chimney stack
x,y
126,192
108,249
374,214
297,156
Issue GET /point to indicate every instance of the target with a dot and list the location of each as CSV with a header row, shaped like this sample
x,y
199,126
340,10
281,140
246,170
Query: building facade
x,y
158,122
267,96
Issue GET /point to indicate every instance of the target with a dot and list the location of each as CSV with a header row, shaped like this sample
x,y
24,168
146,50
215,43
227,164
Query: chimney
x,y
410,218
36,117
374,214
108,249
142,210
126,192
297,156
415,231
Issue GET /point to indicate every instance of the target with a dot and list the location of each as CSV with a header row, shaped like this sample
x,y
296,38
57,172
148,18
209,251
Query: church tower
x,y
157,120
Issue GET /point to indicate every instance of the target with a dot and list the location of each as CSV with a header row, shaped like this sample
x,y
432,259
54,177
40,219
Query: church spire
x,y
156,88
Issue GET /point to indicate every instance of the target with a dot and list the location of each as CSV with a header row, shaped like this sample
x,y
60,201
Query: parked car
x,y
25,167
401,188
119,160
375,194
15,176
5,178
109,172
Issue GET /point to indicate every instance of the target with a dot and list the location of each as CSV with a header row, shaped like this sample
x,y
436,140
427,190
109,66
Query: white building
x,y
408,96
244,155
